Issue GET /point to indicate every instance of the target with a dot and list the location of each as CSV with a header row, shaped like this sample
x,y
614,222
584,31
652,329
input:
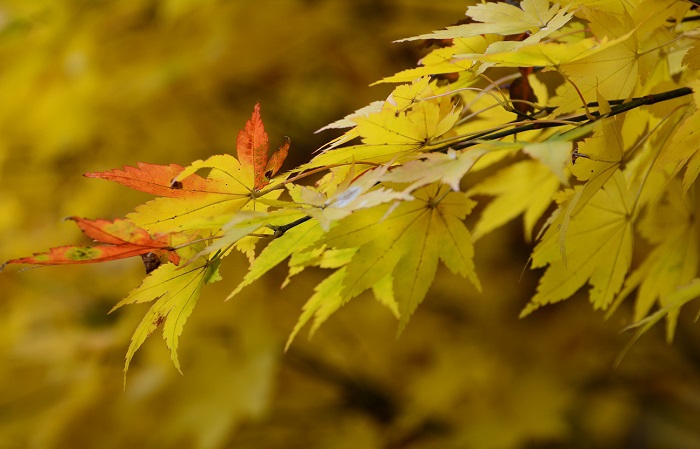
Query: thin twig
x,y
619,108
280,230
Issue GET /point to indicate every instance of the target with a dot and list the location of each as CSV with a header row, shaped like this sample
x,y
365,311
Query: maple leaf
x,y
597,159
236,227
599,248
685,150
398,263
622,64
347,121
505,19
446,60
175,291
318,256
522,188
294,240
231,185
547,54
447,168
673,262
353,193
326,300
677,299
411,120
158,180
692,57
406,244
121,238
252,148
232,194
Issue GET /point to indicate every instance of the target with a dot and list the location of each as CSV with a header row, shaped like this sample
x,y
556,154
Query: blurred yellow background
x,y
90,85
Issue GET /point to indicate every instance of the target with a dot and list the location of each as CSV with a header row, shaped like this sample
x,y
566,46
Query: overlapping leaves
x,y
396,186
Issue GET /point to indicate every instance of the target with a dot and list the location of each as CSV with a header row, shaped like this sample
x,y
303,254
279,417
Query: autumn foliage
x,y
586,115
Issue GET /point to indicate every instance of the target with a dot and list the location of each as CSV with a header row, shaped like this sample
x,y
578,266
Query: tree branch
x,y
620,106
280,230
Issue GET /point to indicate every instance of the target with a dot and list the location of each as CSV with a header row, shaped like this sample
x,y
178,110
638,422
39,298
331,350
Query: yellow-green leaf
x,y
325,301
406,243
296,239
175,290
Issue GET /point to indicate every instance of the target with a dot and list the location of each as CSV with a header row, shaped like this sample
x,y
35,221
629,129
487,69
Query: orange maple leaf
x,y
252,148
121,239
158,180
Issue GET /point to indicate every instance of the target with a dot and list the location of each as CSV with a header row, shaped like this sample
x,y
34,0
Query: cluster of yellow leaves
x,y
446,124
396,190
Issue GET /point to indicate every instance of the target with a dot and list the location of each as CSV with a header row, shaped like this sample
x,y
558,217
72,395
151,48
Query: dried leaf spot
x,y
78,253
151,261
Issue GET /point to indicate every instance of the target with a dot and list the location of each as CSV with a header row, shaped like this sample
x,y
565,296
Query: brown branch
x,y
620,107
280,230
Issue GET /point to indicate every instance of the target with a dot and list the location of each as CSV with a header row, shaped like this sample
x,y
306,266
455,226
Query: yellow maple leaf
x,y
407,244
326,300
681,296
599,249
685,148
446,60
410,121
597,159
175,291
692,57
620,66
671,226
522,188
504,19
448,168
356,191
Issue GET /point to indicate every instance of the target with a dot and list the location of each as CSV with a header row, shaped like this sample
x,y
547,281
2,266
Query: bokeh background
x,y
89,85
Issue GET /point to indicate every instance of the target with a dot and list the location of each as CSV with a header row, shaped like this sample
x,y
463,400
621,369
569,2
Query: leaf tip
x,y
401,328
233,293
528,310
176,362
289,342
